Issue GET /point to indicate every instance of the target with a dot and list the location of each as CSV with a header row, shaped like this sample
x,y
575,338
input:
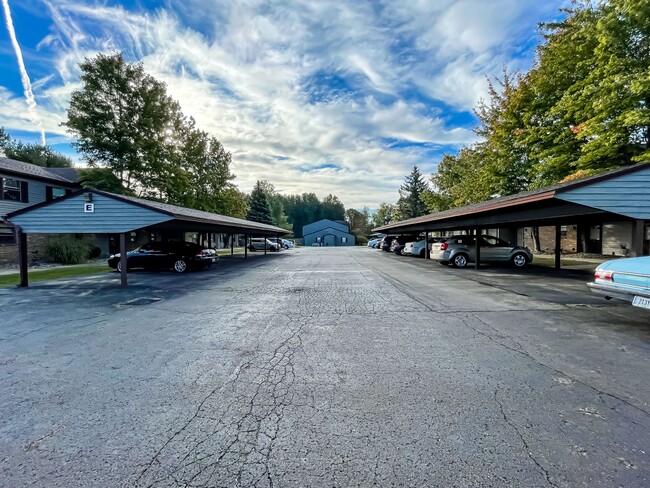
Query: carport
x,y
97,212
619,195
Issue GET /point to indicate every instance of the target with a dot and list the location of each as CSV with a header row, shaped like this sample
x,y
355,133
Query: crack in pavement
x,y
240,449
544,365
523,440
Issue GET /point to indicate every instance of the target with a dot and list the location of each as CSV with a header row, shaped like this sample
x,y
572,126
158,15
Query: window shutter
x,y
24,196
48,193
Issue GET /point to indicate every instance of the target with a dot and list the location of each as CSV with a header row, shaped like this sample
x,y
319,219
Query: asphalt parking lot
x,y
323,367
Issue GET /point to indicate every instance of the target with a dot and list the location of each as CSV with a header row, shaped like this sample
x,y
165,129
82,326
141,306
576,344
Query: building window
x,y
52,192
11,189
344,240
7,235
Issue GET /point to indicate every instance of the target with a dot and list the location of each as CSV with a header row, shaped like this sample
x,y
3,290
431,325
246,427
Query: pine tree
x,y
410,203
259,206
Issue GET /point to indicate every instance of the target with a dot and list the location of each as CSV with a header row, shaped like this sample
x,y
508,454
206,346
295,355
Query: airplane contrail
x,y
24,77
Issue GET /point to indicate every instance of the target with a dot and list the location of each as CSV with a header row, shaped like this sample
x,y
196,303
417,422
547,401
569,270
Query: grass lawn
x,y
54,273
548,260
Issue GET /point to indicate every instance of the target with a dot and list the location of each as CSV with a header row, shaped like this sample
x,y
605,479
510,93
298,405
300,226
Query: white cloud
x,y
239,68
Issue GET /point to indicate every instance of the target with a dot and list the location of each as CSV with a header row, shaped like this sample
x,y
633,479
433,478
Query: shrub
x,y
67,249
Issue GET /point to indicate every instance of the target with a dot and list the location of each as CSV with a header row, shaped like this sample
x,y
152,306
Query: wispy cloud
x,y
325,96
24,77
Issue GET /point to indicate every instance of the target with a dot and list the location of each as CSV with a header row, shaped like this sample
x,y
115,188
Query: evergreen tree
x,y
410,203
259,210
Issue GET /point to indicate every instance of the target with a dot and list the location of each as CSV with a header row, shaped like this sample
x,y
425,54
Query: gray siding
x,y
67,216
625,195
323,224
35,190
311,238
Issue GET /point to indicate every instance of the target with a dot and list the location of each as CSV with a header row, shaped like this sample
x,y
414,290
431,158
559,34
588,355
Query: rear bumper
x,y
619,292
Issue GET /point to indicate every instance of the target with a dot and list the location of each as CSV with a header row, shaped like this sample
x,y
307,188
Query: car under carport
x,y
93,211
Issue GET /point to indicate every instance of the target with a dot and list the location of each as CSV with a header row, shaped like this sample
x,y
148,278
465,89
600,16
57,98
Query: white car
x,y
415,248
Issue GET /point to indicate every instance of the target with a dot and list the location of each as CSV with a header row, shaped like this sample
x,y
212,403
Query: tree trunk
x,y
535,235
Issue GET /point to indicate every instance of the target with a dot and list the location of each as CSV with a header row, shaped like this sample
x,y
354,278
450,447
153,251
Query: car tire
x,y
180,266
119,267
251,249
459,260
421,255
286,247
519,260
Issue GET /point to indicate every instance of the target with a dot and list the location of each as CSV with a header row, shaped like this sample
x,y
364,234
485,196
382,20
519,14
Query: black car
x,y
179,256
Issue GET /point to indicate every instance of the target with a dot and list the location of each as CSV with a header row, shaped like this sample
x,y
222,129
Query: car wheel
x,y
286,247
459,261
251,249
519,260
180,266
119,267
421,253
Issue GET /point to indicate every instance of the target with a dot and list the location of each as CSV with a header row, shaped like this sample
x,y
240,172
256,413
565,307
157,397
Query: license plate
x,y
641,302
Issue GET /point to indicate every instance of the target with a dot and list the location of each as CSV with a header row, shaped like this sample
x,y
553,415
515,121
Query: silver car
x,y
459,251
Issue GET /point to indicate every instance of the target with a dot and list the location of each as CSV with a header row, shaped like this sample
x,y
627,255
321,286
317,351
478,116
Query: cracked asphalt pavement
x,y
333,367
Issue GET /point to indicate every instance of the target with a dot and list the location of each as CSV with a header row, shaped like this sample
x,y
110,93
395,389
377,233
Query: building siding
x,y
625,195
35,192
67,216
321,224
324,234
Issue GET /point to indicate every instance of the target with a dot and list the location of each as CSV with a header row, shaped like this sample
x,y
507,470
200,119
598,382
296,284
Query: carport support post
x,y
477,248
22,257
265,244
232,244
558,248
638,229
245,246
123,265
426,244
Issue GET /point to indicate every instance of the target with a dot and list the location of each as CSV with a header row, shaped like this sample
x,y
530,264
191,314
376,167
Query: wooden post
x,y
426,244
638,230
477,249
210,240
558,247
232,244
245,246
22,257
264,237
123,278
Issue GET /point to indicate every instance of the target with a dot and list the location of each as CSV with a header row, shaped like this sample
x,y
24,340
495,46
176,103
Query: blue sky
x,y
314,95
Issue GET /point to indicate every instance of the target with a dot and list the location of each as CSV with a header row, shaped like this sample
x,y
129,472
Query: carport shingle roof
x,y
539,194
183,213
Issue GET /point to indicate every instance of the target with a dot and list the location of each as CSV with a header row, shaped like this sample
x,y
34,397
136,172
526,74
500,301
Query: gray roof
x,y
183,213
70,174
35,171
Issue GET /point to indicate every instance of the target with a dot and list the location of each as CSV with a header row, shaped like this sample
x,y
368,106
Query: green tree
x,y
383,215
102,179
123,118
4,139
332,208
276,205
259,206
359,223
32,153
410,203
